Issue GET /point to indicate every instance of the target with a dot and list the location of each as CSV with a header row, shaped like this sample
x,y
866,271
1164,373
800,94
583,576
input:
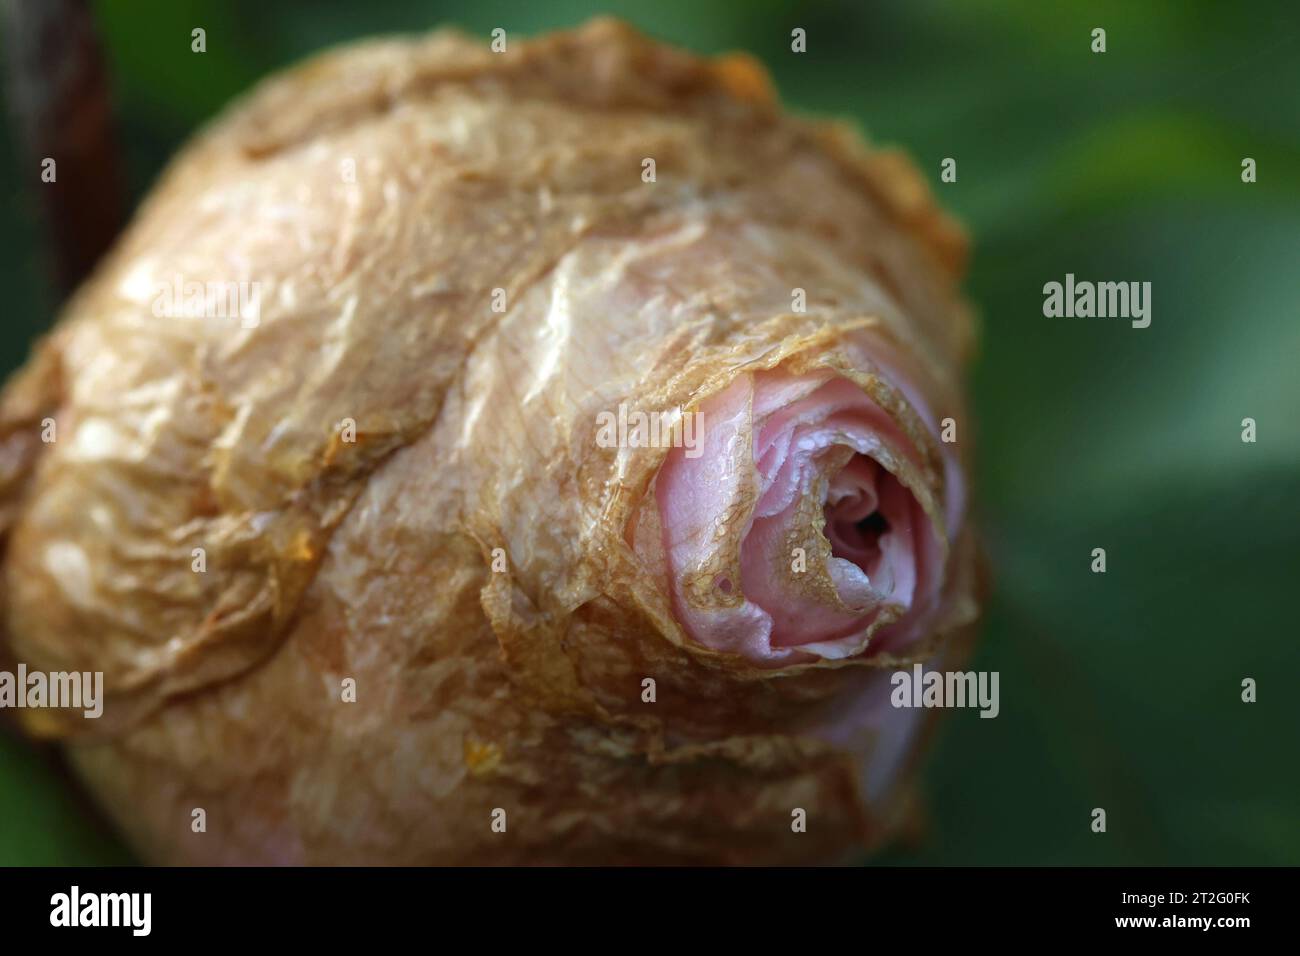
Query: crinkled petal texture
x,y
639,653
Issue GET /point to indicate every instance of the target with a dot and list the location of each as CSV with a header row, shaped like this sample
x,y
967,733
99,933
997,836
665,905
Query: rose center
x,y
854,511
855,540
872,526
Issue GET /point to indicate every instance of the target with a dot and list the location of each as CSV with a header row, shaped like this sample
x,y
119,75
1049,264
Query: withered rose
x,y
361,580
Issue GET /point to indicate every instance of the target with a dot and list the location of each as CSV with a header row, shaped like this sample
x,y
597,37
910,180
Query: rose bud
x,y
473,458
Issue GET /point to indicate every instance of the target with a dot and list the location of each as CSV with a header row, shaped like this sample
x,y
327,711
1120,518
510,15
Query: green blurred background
x,y
1119,690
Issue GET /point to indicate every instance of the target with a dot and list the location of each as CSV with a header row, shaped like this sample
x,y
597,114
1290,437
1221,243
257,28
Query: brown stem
x,y
59,99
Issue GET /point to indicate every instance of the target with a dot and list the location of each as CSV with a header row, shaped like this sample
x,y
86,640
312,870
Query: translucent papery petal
x,y
705,504
904,375
828,600
838,401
